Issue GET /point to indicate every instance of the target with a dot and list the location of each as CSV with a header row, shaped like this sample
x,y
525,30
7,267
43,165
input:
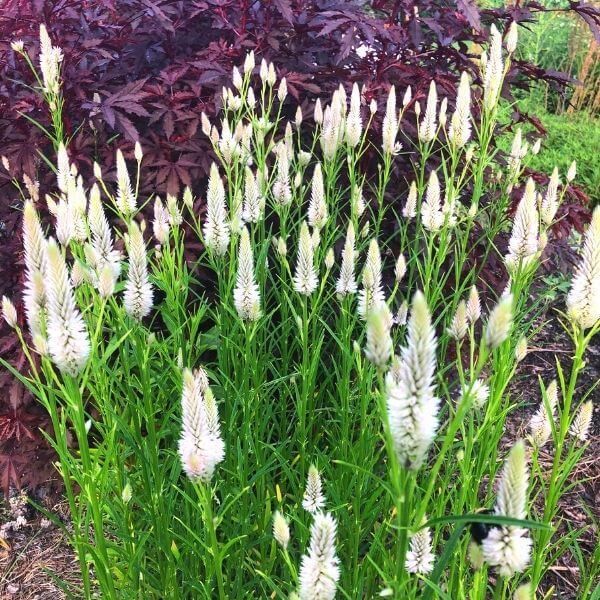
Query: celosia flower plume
x,y
319,570
583,300
508,548
411,402
68,340
201,447
305,278
246,295
138,295
216,228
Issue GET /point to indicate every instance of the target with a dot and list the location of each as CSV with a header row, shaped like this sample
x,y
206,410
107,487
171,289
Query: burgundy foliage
x,y
146,69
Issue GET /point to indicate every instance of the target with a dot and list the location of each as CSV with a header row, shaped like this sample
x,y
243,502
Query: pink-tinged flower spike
x,y
460,124
379,340
201,447
216,228
512,37
319,570
9,312
550,201
305,278
346,284
102,244
431,209
68,341
317,207
253,202
580,426
460,322
583,300
138,295
473,305
499,322
50,59
411,402
420,557
126,201
493,71
282,192
540,424
161,224
246,295
524,243
389,129
34,297
508,548
354,120
63,169
313,500
409,211
371,295
428,127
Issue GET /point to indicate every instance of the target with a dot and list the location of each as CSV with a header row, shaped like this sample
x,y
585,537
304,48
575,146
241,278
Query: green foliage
x,y
570,137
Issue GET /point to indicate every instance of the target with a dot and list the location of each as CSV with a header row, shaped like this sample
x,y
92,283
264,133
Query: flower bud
x,y
9,312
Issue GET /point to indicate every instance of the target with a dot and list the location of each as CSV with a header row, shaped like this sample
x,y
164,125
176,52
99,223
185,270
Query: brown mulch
x,y
30,556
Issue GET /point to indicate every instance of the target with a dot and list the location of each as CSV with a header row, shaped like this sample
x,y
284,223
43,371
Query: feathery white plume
x,y
34,243
371,295
379,340
63,169
411,402
353,120
460,322
50,59
281,530
550,201
313,500
478,394
389,128
319,570
523,244
68,340
305,277
126,201
583,300
428,127
540,426
508,548
409,210
346,284
493,72
246,295
216,228
138,295
317,207
420,557
9,312
253,209
460,124
102,244
201,447
499,322
473,305
431,209
580,426
161,224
